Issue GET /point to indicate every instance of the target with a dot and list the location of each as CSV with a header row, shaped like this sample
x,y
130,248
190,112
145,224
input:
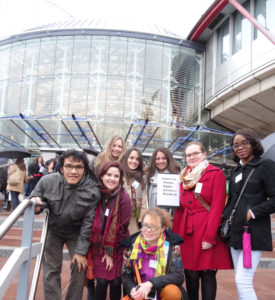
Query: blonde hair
x,y
106,155
165,217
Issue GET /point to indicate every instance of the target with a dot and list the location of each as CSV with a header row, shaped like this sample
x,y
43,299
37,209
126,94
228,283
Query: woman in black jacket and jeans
x,y
254,208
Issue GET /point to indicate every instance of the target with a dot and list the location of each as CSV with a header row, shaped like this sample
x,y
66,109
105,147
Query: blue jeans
x,y
14,199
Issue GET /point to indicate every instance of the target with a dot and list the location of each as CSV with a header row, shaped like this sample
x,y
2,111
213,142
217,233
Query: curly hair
x,y
165,217
172,166
253,139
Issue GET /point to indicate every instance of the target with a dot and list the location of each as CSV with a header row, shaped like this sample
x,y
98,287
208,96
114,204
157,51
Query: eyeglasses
x,y
192,154
244,143
78,168
152,228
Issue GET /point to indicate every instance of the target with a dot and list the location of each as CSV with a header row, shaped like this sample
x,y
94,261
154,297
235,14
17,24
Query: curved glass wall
x,y
102,77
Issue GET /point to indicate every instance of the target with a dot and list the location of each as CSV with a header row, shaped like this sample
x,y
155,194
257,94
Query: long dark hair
x,y
172,166
21,164
253,139
135,174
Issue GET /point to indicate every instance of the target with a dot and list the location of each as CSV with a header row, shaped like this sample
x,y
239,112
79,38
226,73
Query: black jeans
x,y
208,284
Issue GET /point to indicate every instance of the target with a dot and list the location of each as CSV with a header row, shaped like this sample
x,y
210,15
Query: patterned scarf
x,y
140,246
190,177
104,232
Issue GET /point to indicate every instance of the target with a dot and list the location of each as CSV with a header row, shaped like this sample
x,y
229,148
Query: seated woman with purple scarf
x,y
110,227
155,253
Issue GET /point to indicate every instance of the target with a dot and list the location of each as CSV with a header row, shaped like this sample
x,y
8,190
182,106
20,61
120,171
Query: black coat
x,y
259,197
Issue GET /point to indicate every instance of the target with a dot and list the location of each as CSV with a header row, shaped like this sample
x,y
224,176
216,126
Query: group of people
x,y
106,212
19,180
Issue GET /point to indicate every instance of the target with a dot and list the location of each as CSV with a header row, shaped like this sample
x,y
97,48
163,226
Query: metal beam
x,y
186,139
9,141
91,128
48,133
70,133
24,132
220,151
34,129
250,18
150,139
81,130
131,126
141,131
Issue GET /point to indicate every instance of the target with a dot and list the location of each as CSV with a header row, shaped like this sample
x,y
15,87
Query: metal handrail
x,y
21,257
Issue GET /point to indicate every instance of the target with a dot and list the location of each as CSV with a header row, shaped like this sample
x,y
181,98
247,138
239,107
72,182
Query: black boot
x,y
91,289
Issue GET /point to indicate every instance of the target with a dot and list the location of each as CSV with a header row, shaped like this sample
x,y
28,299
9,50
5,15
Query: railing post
x,y
23,279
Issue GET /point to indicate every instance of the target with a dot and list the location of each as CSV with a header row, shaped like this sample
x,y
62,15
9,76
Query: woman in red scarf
x,y
202,200
110,227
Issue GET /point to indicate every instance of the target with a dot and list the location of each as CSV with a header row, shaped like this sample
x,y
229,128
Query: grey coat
x,y
72,207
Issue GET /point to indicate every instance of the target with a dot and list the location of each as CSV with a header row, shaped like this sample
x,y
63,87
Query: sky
x,y
178,16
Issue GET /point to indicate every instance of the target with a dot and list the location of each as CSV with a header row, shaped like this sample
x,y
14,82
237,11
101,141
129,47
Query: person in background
x,y
156,254
72,198
114,151
202,200
110,227
4,163
161,161
256,204
49,166
31,170
16,189
132,163
38,170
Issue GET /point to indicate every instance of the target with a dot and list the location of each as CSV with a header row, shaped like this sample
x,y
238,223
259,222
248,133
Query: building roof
x,y
107,24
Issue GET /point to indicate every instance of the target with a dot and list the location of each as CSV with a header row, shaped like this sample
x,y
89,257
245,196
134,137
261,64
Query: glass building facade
x,y
80,87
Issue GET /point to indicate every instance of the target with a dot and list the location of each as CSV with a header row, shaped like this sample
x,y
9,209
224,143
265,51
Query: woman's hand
x,y
143,291
135,294
248,216
109,262
206,246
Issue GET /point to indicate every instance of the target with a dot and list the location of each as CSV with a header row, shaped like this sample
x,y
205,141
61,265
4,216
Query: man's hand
x,y
81,261
109,262
38,201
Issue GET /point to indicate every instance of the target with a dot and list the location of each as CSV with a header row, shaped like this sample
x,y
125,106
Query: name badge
x,y
239,178
198,188
153,264
135,184
107,211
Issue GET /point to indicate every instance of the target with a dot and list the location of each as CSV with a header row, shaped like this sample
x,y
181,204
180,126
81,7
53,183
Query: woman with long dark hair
x,y
256,203
161,161
109,228
134,185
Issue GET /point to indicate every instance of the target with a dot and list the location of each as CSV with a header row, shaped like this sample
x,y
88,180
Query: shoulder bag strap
x,y
238,200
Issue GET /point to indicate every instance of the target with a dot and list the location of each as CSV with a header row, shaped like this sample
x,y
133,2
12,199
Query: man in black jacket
x,y
72,197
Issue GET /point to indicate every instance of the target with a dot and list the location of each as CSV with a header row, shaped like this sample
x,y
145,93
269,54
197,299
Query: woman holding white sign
x,y
161,162
202,200
134,185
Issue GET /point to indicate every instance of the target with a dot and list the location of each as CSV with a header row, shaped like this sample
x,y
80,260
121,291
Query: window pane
x,y
223,42
241,34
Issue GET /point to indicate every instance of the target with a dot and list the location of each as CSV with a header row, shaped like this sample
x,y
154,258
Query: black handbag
x,y
225,226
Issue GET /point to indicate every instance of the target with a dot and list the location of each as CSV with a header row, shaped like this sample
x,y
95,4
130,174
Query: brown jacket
x,y
23,179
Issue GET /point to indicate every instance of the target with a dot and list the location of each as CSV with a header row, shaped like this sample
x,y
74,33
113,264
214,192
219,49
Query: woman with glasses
x,y
114,151
109,228
202,200
256,204
153,254
161,161
134,185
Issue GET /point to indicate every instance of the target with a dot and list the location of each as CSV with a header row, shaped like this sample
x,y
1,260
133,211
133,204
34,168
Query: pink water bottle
x,y
247,248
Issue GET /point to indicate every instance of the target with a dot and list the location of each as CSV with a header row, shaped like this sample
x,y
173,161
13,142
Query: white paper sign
x,y
168,190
